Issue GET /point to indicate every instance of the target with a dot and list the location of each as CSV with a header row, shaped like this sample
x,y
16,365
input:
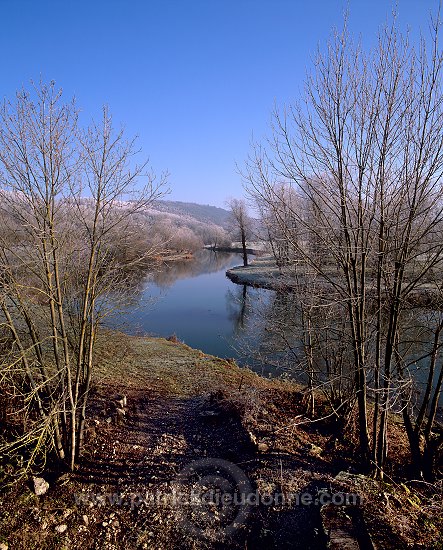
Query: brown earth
x,y
186,409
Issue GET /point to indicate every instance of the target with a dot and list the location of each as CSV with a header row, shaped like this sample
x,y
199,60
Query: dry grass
x,y
168,366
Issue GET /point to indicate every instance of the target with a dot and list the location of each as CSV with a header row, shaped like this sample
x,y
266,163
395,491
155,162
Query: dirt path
x,y
177,439
138,462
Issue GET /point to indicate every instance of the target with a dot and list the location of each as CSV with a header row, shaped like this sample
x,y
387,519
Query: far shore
x,y
254,248
263,272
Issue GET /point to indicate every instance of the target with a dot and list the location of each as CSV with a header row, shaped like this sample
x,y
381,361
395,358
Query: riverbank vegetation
x,y
349,188
63,186
81,220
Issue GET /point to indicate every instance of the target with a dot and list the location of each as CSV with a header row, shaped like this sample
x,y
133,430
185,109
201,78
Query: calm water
x,y
195,301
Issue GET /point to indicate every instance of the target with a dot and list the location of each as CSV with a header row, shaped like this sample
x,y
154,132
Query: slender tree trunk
x,y
243,243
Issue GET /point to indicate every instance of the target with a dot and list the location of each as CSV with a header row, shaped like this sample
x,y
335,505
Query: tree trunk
x,y
243,243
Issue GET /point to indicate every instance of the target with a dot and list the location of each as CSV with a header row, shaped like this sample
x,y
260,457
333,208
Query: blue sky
x,y
195,79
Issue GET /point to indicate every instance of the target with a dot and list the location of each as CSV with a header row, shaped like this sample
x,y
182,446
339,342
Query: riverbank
x,y
173,256
254,248
180,406
263,272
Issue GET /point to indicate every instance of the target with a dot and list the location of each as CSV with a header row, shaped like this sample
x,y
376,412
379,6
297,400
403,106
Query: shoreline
x,y
254,248
263,273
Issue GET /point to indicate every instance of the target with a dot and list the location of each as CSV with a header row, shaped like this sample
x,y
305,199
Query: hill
x,y
201,212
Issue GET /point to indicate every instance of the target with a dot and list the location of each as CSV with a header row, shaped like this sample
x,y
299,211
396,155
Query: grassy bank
x,y
168,366
261,272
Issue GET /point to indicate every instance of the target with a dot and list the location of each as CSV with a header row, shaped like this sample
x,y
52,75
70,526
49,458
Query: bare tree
x,y
363,153
217,237
67,194
242,223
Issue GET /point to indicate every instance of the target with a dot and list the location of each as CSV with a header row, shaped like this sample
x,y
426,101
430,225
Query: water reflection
x,y
194,300
189,299
273,335
203,261
266,331
238,306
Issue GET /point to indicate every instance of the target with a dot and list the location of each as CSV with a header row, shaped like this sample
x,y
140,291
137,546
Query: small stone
x,y
85,519
105,524
252,438
40,486
4,546
61,528
315,450
121,401
263,447
109,420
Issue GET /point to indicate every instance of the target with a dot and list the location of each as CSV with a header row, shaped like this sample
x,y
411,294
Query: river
x,y
196,302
